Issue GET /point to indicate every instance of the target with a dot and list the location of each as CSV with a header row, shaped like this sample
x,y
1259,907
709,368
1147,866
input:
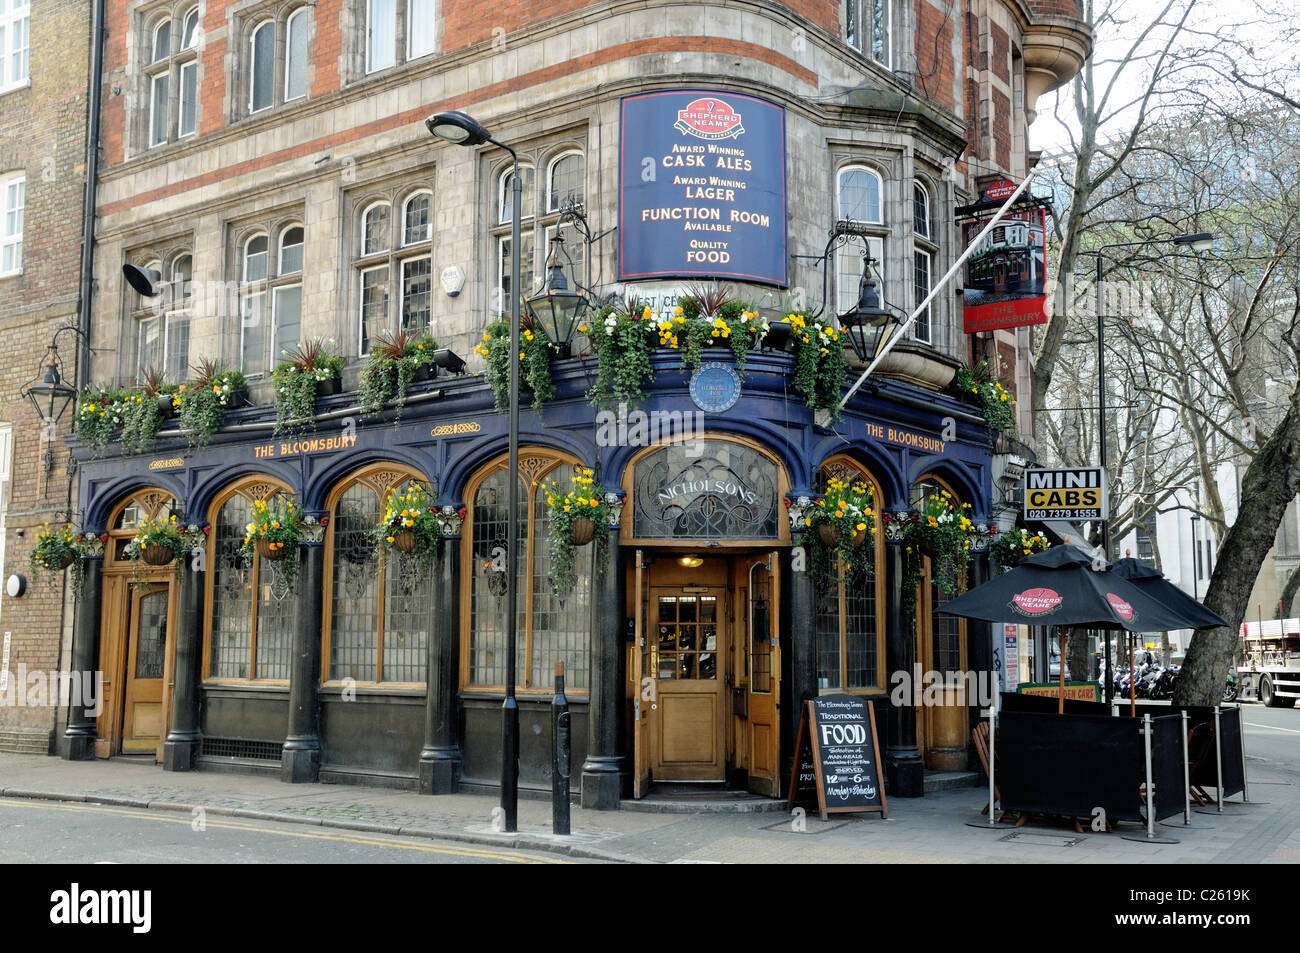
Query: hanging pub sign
x,y
836,760
702,187
1005,278
1069,493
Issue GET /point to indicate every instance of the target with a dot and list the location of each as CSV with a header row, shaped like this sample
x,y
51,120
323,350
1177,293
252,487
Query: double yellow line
x,y
228,823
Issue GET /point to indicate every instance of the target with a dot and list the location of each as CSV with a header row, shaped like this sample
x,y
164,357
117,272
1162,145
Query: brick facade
x,y
43,134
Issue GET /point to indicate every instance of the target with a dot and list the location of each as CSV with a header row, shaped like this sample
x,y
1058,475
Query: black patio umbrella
x,y
1060,587
1153,583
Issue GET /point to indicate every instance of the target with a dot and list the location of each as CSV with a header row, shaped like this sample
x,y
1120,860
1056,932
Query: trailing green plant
x,y
394,361
995,403
412,510
295,384
99,415
274,533
621,335
1008,549
214,390
819,362
565,509
141,416
846,509
534,364
941,530
711,314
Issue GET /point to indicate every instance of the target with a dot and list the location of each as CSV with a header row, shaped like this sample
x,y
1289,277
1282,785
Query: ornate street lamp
x,y
49,394
557,308
463,130
867,325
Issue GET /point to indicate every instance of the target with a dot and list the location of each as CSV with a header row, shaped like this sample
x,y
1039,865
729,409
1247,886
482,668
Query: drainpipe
x,y
84,290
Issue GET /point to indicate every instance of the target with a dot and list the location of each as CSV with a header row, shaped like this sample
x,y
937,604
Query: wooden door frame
x,y
118,648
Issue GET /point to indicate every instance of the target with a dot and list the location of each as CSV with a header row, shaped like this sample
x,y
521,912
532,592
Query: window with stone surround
x,y
171,40
397,31
15,25
564,184
868,28
160,326
274,42
859,195
270,269
393,264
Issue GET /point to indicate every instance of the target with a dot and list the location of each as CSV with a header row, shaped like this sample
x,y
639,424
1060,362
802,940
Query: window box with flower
x,y
311,373
534,362
819,362
395,362
577,518
100,414
205,400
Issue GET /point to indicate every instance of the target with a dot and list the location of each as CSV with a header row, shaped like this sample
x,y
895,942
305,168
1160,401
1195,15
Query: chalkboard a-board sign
x,y
836,757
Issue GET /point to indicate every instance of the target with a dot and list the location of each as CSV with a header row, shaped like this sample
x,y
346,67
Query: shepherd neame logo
x,y
1037,601
709,119
77,906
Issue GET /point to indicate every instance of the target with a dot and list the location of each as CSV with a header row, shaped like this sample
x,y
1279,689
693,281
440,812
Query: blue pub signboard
x,y
702,187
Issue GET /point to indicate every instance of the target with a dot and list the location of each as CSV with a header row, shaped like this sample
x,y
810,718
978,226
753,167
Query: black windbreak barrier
x,y
1013,701
1169,793
1071,765
1230,746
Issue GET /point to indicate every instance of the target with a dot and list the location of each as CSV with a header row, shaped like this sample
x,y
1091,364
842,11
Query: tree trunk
x,y
1267,487
1076,655
1289,590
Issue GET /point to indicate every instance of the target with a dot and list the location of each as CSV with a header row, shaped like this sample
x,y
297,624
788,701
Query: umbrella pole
x,y
1060,695
1132,681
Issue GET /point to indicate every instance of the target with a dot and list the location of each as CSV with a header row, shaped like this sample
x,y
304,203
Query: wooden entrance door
x,y
764,676
689,647
644,699
143,718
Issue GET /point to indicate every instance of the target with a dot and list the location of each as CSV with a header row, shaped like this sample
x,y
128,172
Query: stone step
x,y
948,780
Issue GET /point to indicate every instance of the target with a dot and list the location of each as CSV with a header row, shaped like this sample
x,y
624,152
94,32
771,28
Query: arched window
x,y
858,199
374,229
291,250
176,334
190,29
858,194
161,44
550,629
377,615
295,55
252,303
920,210
527,175
145,503
850,619
261,64
417,223
251,614
564,180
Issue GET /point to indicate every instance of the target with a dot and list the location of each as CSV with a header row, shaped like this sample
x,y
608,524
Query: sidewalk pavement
x,y
932,829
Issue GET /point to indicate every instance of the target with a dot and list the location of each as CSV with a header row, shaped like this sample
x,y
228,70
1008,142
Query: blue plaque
x,y
715,387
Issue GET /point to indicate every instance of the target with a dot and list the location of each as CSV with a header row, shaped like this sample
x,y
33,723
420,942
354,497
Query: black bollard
x,y
560,765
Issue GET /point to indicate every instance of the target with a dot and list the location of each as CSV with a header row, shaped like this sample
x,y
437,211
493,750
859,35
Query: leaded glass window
x,y
849,627
379,609
550,628
722,491
253,613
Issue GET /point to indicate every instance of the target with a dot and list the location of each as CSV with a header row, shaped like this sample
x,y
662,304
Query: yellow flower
x,y
862,526
390,539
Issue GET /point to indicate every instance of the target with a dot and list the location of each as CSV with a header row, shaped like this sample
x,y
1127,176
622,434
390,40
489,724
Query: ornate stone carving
x,y
615,499
450,518
798,508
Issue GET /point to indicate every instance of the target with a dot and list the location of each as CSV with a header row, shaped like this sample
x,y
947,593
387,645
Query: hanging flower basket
x,y
829,534
584,531
157,554
410,525
405,541
270,550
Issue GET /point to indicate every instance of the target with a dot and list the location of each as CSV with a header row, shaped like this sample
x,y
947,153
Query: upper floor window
x,y
539,216
15,21
270,274
858,199
923,252
395,267
13,199
172,77
867,28
399,31
162,324
920,210
278,57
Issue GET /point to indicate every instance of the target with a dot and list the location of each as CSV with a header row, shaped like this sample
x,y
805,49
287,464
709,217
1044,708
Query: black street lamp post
x,y
461,129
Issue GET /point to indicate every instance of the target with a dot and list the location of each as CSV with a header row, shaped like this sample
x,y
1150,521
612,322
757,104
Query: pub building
x,y
691,158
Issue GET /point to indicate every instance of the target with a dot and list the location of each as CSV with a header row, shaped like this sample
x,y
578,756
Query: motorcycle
x,y
1231,687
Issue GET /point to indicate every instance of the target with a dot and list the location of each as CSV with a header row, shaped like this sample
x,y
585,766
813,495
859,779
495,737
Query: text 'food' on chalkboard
x,y
836,757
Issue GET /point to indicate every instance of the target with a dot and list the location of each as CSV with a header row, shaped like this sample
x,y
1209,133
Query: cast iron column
x,y
605,773
904,770
181,747
440,756
981,649
300,757
81,732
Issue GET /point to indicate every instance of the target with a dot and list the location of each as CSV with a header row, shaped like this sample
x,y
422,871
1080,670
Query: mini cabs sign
x,y
1069,493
